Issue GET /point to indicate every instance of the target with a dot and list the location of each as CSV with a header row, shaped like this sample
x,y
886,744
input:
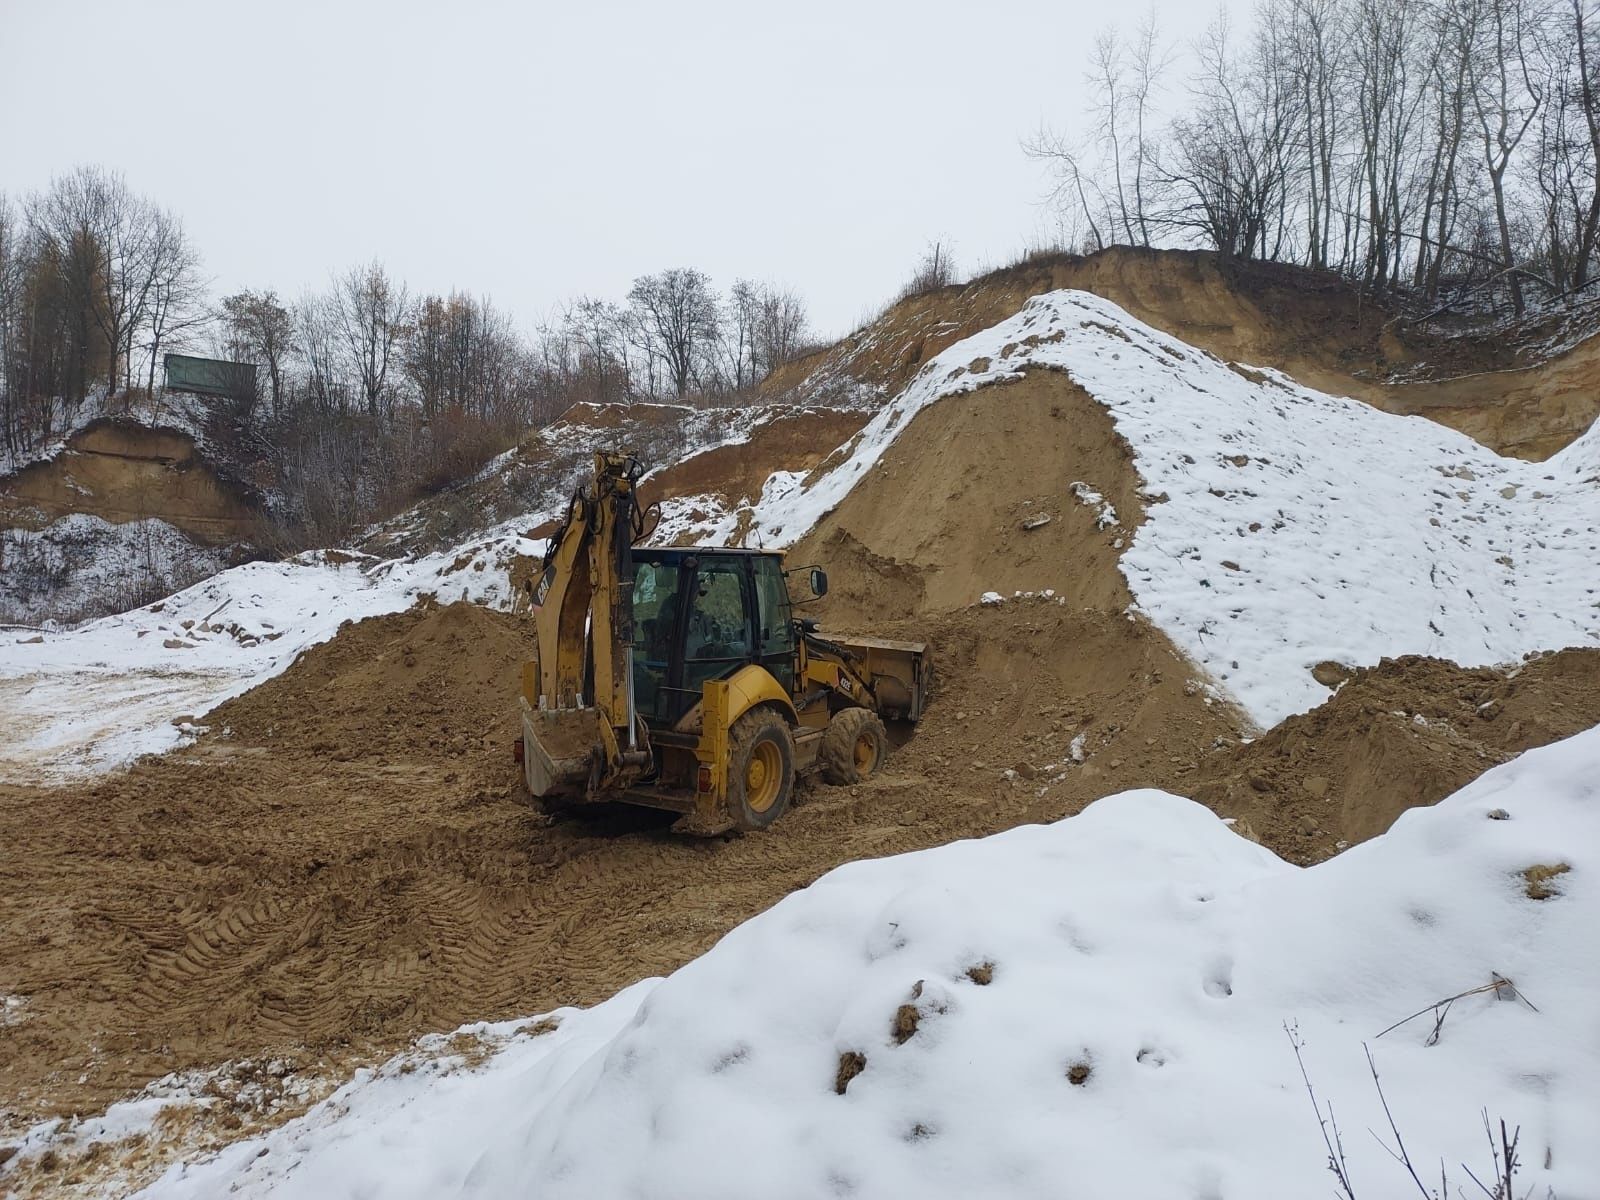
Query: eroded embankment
x,y
1501,389
124,472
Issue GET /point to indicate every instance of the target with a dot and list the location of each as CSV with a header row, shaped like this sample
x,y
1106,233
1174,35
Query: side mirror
x,y
819,582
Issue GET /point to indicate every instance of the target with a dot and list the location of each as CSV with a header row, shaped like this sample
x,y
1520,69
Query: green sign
x,y
209,376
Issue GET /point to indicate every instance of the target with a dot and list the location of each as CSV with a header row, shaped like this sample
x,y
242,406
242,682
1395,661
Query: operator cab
x,y
702,614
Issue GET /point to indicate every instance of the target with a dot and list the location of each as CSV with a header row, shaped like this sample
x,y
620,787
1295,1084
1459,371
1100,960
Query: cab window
x,y
655,620
719,627
773,608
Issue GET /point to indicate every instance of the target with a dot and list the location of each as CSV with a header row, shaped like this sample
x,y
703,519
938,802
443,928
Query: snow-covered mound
x,y
1092,1008
1284,526
103,693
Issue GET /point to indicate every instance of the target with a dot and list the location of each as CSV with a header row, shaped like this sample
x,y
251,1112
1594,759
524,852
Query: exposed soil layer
x,y
125,472
1503,391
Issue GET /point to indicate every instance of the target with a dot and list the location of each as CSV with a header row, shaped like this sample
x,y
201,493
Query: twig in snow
x,y
1402,1157
1505,1160
1333,1142
1502,987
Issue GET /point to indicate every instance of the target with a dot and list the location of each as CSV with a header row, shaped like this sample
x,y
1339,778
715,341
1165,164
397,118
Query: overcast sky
x,y
534,151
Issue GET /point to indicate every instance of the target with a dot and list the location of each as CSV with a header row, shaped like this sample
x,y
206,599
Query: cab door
x,y
774,621
719,625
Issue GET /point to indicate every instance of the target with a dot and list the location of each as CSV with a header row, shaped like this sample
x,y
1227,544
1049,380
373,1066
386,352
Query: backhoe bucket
x,y
559,747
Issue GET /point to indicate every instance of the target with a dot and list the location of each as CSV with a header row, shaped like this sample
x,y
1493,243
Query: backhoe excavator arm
x,y
579,705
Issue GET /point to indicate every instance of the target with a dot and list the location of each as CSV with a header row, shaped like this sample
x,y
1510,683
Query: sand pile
x,y
1405,733
435,679
1023,486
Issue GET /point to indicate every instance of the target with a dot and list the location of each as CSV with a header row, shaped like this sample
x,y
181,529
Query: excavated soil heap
x,y
439,679
976,496
1405,733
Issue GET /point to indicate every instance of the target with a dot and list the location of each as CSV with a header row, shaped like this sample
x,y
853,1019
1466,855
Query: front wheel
x,y
853,747
760,769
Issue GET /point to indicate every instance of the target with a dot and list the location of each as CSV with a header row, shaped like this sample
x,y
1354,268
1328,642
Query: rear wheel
x,y
760,769
853,747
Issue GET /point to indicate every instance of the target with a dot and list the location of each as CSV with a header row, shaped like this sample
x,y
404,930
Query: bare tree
x,y
1229,164
173,306
741,315
677,315
1382,36
1451,30
1587,83
11,284
260,329
91,220
598,331
934,270
316,334
1074,191
1506,98
781,325
370,312
1149,62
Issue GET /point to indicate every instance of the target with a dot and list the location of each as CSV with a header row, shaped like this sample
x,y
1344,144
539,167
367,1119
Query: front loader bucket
x,y
559,747
901,673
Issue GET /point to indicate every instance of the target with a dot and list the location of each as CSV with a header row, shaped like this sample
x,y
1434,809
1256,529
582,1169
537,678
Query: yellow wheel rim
x,y
763,777
866,753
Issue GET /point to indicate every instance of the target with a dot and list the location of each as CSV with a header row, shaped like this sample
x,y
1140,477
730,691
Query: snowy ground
x,y
101,694
1092,1008
1284,526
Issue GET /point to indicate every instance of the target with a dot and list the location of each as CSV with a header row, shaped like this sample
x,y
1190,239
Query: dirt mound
x,y
1403,734
1309,324
432,678
1024,486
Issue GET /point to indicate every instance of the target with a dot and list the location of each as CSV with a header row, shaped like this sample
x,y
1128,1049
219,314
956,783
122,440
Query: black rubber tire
x,y
758,728
837,754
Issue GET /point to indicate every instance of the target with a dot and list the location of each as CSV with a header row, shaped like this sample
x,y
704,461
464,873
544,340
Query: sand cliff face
x,y
124,472
1508,392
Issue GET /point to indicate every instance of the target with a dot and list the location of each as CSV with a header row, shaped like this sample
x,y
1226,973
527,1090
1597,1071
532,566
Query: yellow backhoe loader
x,y
680,678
